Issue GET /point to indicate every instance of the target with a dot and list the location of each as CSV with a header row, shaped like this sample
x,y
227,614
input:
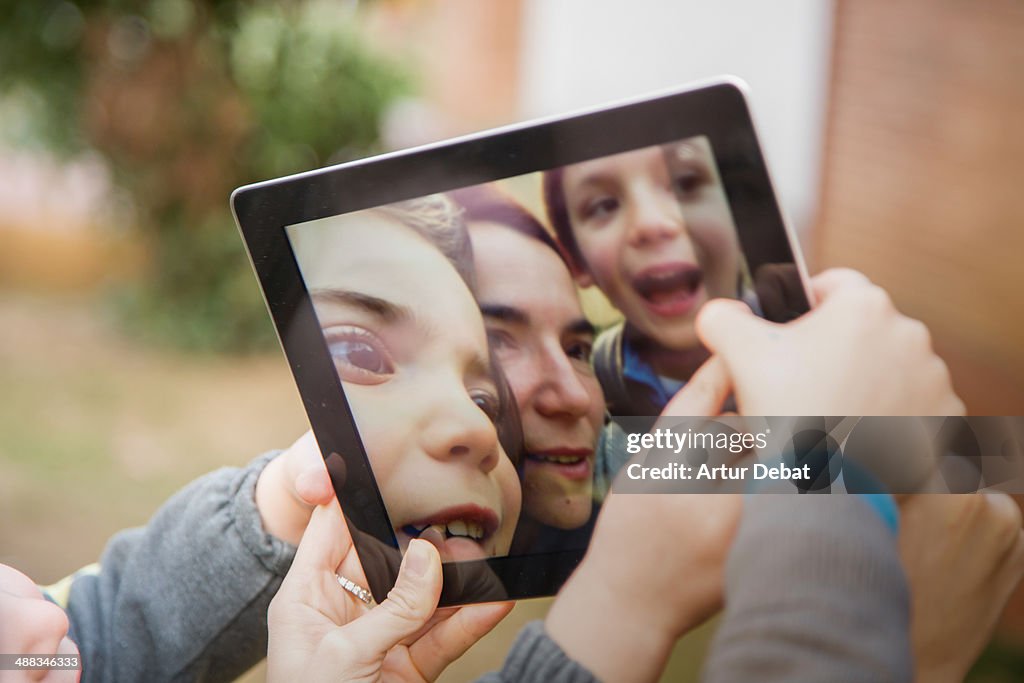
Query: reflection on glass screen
x,y
487,337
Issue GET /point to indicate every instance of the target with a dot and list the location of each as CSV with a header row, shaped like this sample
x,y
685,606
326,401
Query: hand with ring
x,y
321,627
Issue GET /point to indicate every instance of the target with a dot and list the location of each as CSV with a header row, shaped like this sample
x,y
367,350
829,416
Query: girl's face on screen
x,y
656,236
409,346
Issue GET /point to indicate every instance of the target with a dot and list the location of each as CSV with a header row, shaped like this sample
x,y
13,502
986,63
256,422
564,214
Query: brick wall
x,y
923,181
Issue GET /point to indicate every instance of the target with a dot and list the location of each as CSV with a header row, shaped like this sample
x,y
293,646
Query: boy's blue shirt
x,y
636,369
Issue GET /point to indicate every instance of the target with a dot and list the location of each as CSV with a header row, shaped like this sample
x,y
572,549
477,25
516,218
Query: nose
x,y
458,430
561,394
654,217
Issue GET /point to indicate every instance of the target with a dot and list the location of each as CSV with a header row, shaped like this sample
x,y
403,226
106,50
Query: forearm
x,y
641,586
594,624
187,595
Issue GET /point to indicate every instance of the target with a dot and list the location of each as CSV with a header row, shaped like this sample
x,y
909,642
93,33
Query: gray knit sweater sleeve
x,y
186,597
814,592
536,657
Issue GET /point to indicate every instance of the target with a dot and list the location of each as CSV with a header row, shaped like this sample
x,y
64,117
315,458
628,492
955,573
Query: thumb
x,y
408,607
313,485
704,394
730,329
307,473
826,284
324,545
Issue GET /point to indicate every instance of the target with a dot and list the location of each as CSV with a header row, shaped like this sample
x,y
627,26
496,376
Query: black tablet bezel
x,y
718,111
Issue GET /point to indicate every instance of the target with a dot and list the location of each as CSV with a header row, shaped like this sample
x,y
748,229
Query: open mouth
x,y
669,289
458,528
570,463
469,522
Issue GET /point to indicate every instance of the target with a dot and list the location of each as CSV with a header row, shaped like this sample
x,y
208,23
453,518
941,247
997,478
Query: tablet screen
x,y
486,338
470,322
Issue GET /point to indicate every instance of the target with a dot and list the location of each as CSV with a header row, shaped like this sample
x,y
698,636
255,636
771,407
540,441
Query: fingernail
x,y
417,557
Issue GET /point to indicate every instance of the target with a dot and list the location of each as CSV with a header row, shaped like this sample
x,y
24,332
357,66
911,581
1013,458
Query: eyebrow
x,y
518,316
597,179
382,308
508,314
581,326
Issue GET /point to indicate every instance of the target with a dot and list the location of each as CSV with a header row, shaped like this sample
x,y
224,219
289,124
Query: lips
x,y
459,531
572,463
669,289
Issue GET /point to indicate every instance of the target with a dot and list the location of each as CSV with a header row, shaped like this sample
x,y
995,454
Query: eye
x,y
689,182
486,401
359,355
580,350
499,339
601,207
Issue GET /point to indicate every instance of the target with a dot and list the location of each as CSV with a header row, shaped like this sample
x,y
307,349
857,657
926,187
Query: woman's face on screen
x,y
543,342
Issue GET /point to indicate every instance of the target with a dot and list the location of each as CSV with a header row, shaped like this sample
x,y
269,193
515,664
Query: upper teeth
x,y
562,459
458,527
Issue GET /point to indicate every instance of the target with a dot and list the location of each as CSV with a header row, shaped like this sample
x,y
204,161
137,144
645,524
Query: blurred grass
x,y
96,432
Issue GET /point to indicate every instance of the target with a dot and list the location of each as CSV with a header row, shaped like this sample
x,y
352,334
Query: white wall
x,y
578,53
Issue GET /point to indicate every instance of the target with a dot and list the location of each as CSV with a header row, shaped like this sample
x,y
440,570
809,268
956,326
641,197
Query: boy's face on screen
x,y
656,236
409,345
543,341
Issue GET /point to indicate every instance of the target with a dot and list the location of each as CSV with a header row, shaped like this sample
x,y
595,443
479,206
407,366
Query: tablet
x,y
466,321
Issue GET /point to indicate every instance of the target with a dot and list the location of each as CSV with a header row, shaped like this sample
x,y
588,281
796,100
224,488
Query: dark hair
x,y
485,203
558,217
508,424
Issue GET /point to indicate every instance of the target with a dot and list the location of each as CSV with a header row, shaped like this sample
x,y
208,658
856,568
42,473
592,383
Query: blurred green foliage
x,y
186,100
